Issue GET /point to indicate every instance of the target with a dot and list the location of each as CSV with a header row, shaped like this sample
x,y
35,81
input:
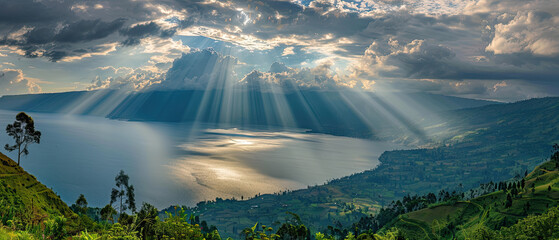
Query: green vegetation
x,y
24,133
124,191
24,200
518,208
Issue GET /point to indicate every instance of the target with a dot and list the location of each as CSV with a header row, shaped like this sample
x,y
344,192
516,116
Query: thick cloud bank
x,y
443,46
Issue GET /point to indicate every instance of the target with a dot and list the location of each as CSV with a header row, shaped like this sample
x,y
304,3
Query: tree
x,y
24,133
81,204
107,213
555,153
508,203
147,218
123,192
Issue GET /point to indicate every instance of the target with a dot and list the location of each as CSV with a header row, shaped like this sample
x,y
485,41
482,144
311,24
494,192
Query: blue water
x,y
183,163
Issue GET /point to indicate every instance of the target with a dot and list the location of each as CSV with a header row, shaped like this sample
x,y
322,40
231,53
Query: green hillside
x,y
24,198
491,214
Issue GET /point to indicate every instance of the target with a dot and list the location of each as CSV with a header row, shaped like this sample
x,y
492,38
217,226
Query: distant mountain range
x,y
345,113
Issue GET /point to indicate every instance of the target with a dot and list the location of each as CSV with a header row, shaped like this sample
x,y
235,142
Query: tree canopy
x,y
24,133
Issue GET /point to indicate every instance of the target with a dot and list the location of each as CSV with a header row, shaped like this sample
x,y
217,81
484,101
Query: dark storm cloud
x,y
274,19
55,55
80,31
141,30
420,59
55,29
88,30
137,32
31,11
56,44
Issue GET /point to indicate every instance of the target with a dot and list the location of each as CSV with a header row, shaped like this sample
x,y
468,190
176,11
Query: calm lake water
x,y
181,163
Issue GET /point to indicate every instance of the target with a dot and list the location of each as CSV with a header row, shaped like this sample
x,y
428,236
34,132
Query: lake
x,y
172,163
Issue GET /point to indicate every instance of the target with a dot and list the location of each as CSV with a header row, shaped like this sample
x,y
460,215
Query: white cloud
x,y
321,77
134,80
391,58
8,64
13,81
288,51
530,31
99,50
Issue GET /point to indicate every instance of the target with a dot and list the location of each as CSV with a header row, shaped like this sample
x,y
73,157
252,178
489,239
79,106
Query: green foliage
x,y
123,192
545,226
108,213
6,234
176,226
24,200
55,228
289,231
510,212
392,234
147,219
120,232
322,236
254,233
292,229
24,133
81,205
87,236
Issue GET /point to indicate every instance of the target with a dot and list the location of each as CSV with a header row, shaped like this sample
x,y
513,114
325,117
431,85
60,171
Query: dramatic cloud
x,y
140,31
447,46
132,80
13,81
201,69
284,78
533,32
416,59
20,12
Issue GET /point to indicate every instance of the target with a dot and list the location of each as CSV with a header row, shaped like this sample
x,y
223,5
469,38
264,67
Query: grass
x,y
6,234
30,199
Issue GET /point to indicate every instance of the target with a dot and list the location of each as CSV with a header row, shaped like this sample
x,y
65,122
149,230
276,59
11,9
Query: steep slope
x,y
23,198
487,213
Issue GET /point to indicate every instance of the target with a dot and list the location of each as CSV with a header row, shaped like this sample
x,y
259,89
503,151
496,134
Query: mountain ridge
x,y
363,115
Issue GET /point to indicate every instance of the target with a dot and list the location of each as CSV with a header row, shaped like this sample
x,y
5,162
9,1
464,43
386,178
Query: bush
x,y
177,227
55,228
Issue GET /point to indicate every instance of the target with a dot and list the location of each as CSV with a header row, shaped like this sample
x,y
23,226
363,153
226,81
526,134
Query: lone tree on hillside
x,y
24,133
123,192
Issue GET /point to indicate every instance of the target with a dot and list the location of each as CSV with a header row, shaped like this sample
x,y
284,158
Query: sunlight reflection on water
x,y
234,163
181,164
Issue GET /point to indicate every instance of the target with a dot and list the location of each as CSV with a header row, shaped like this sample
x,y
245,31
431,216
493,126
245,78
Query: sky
x,y
503,50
